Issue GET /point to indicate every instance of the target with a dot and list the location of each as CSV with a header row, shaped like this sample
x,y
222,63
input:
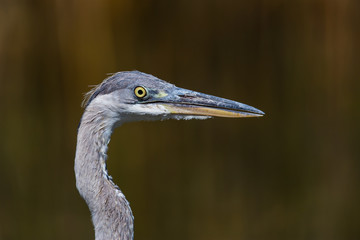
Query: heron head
x,y
132,96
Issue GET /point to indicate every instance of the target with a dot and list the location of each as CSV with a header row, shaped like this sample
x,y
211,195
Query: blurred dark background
x,y
293,174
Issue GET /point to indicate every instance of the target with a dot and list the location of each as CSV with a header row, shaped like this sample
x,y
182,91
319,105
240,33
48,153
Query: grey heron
x,y
125,97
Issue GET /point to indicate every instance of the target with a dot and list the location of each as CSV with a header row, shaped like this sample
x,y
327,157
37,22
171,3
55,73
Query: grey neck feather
x,y
111,213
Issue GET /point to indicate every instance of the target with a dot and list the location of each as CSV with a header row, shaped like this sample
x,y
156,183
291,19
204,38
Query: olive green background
x,y
293,174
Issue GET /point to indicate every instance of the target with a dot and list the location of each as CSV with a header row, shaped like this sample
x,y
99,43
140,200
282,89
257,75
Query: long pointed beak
x,y
186,102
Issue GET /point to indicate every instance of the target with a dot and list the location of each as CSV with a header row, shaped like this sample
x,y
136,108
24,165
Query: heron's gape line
x,y
126,97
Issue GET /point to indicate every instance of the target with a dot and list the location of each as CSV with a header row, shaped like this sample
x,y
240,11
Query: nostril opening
x,y
187,96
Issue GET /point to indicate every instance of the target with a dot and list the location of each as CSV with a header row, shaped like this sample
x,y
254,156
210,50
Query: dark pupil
x,y
140,92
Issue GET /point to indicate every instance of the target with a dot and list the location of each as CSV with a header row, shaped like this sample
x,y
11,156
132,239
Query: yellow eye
x,y
140,92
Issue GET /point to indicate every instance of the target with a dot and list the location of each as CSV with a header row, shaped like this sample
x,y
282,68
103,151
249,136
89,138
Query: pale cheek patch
x,y
110,105
151,109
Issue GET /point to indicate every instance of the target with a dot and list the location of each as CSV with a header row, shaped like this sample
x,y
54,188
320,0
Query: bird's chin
x,y
188,117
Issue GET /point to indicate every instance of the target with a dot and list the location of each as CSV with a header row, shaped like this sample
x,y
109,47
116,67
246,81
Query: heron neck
x,y
111,213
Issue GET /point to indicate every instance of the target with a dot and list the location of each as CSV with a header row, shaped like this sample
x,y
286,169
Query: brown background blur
x,y
293,174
